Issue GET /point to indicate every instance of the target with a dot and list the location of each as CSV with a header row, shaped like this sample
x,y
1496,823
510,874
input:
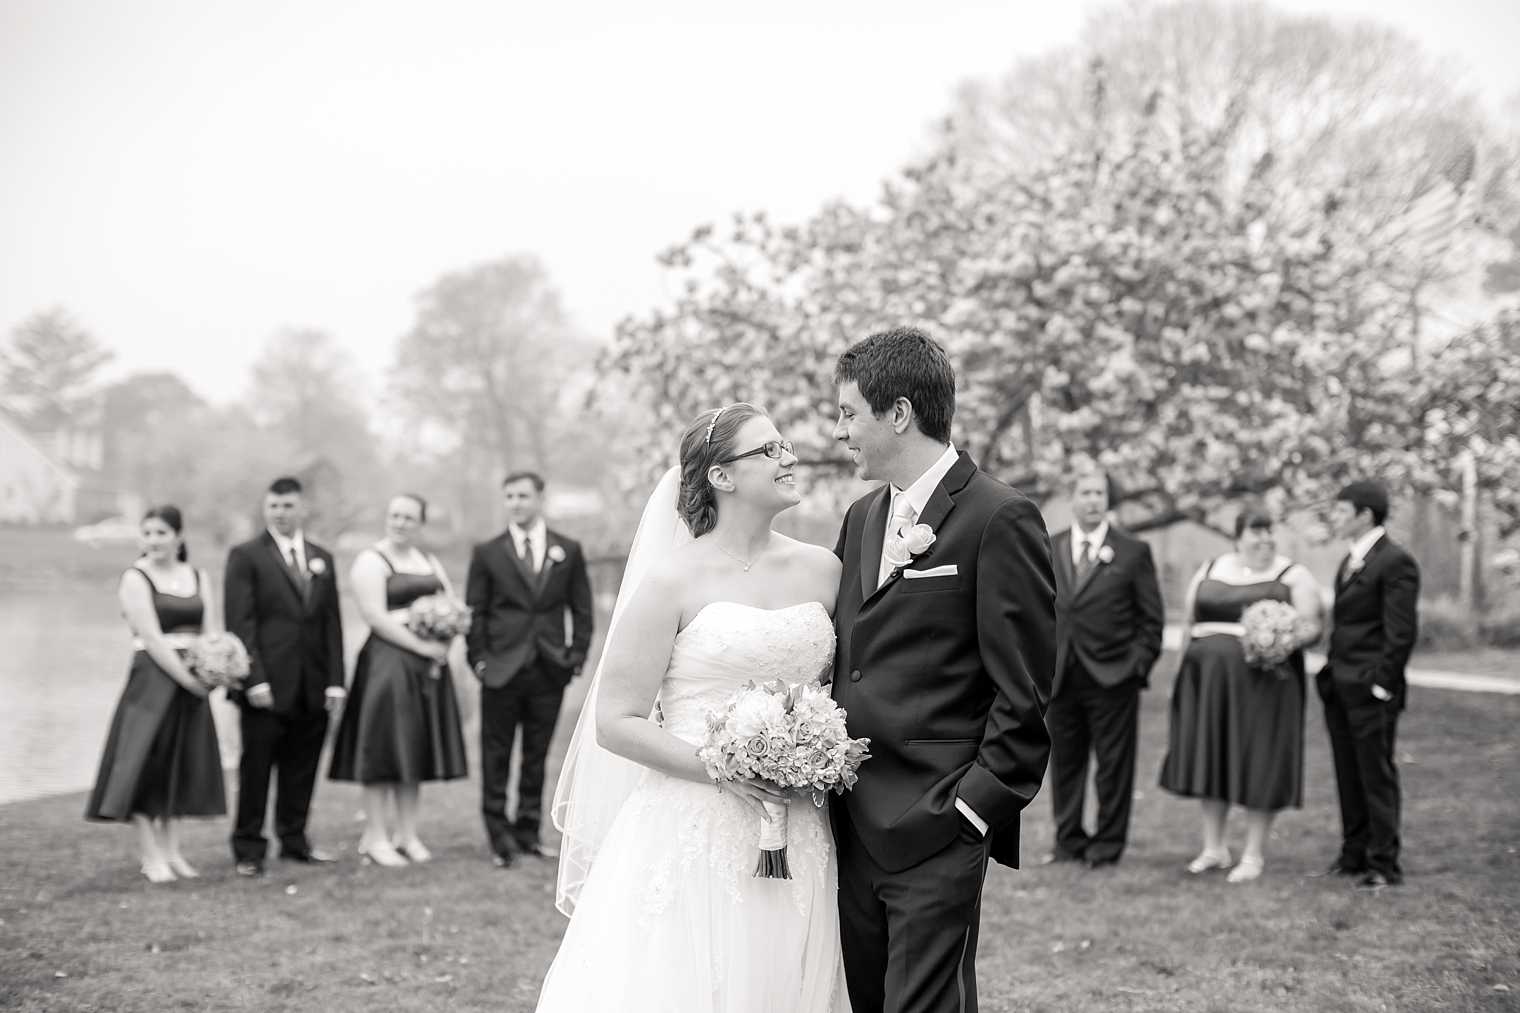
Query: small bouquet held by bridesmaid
x,y
218,659
439,617
791,736
1272,633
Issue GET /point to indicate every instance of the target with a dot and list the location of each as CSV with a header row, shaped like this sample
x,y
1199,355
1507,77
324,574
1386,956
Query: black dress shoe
x,y
1340,867
1058,856
1377,880
249,870
311,856
501,861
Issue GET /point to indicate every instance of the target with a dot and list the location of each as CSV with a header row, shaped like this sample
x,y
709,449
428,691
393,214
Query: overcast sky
x,y
187,176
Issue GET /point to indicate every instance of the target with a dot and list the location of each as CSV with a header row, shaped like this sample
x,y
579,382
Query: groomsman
x,y
1108,605
1373,626
282,603
531,600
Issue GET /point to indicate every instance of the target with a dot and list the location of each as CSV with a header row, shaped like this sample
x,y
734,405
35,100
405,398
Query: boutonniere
x,y
1355,567
900,549
556,554
316,566
1106,554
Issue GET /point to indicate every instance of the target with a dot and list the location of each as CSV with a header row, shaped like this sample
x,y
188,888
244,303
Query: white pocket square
x,y
948,570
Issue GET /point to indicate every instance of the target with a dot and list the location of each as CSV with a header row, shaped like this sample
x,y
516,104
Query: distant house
x,y
53,477
35,487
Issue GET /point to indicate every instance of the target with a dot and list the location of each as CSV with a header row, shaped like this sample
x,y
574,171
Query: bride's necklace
x,y
745,563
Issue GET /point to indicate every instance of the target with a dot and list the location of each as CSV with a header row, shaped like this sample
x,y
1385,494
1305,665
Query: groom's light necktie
x,y
903,516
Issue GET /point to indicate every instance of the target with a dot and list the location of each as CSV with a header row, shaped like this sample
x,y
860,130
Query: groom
x,y
946,650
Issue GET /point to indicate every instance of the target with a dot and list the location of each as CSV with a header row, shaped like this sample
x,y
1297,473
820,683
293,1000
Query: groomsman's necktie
x,y
294,562
528,556
1085,561
903,516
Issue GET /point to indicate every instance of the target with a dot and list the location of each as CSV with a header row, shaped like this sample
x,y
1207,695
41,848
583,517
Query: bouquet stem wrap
x,y
772,863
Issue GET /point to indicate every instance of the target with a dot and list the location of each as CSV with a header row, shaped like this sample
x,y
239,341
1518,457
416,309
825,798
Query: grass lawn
x,y
80,930
1478,661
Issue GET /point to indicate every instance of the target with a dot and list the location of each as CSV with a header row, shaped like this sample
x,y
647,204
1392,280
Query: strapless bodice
x,y
728,644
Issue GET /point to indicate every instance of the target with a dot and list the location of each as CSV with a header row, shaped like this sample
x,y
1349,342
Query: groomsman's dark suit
x,y
518,649
1110,623
288,619
1373,627
948,675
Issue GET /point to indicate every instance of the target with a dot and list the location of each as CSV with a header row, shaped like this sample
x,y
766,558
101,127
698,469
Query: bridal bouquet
x,y
792,736
1272,630
218,659
440,617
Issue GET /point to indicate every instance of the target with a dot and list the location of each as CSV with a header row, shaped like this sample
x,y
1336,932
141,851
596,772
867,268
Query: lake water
x,y
64,653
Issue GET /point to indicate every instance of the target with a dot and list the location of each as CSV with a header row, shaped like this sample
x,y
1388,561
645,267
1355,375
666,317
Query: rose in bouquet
x,y
795,738
218,659
438,617
1272,633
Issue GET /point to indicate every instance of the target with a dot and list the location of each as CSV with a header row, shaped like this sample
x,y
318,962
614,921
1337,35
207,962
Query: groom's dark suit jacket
x,y
948,675
519,616
294,635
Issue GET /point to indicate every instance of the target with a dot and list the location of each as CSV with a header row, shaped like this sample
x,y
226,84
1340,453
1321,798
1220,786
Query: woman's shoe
x,y
414,851
1207,860
380,853
1248,869
182,868
158,872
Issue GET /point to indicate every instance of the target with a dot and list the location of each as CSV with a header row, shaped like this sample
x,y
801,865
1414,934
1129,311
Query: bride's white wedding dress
x,y
671,918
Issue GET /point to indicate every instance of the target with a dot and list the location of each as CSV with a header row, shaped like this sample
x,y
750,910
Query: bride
x,y
657,862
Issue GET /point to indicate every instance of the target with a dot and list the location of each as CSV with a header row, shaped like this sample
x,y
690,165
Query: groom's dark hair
x,y
903,362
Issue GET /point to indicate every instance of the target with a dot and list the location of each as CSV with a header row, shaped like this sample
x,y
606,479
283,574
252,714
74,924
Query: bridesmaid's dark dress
x,y
1237,732
400,723
161,758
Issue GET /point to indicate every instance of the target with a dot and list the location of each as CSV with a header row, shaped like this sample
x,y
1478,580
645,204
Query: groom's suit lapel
x,y
941,502
1060,547
871,542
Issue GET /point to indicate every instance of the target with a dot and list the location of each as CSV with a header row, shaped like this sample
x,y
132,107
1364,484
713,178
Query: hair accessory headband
x,y
707,440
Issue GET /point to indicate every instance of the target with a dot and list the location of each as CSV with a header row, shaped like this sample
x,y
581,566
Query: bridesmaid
x,y
161,760
400,724
1237,732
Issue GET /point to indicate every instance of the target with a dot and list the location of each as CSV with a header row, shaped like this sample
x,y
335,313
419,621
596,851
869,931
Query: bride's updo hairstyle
x,y
708,440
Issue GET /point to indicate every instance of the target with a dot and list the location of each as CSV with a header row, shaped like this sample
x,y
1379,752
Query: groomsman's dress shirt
x,y
906,505
536,535
295,543
1361,547
1093,542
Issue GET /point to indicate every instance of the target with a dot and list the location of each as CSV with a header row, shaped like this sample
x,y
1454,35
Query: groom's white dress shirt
x,y
909,503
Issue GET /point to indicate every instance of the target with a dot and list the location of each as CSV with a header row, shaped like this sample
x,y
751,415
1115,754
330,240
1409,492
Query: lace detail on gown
x,y
673,885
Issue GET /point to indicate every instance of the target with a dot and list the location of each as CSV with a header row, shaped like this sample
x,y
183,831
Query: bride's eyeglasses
x,y
770,448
